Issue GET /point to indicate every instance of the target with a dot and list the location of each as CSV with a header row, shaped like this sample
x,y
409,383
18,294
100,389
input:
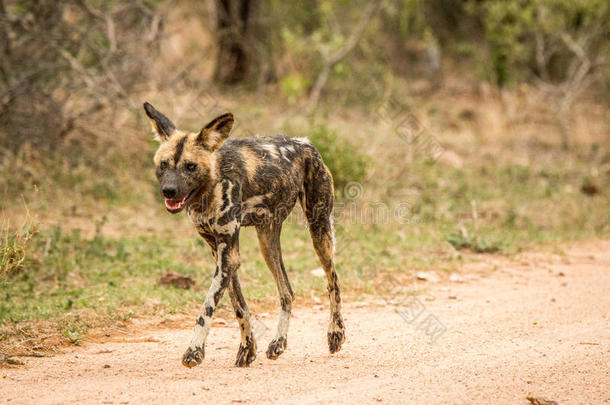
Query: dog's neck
x,y
203,201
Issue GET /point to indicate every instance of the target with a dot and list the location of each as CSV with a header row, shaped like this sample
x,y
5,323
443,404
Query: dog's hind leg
x,y
317,203
269,242
323,245
247,348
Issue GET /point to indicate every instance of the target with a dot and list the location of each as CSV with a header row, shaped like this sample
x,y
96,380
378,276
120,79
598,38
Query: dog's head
x,y
185,161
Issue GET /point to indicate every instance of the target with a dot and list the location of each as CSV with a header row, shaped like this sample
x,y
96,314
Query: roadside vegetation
x,y
444,149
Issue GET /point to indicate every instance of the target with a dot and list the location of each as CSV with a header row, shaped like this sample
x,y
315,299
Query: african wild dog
x,y
225,185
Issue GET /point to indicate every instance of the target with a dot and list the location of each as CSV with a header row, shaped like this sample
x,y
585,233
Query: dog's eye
x,y
163,165
191,167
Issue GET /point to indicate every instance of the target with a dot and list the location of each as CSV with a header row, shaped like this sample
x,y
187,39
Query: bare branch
x,y
573,45
341,53
110,32
541,59
155,28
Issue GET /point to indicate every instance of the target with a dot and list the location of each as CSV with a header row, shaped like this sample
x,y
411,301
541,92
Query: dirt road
x,y
540,326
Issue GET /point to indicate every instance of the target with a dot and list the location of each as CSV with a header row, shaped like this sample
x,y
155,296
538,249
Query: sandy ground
x,y
540,326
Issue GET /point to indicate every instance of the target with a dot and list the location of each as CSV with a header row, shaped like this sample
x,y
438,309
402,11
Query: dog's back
x,y
273,172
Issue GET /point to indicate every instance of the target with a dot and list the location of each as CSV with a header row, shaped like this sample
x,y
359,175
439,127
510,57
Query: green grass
x,y
412,215
76,282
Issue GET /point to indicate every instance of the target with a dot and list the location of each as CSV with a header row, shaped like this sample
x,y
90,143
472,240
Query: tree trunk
x,y
234,32
434,57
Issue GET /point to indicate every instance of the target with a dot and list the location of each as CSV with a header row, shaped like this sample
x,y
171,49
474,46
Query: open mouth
x,y
177,205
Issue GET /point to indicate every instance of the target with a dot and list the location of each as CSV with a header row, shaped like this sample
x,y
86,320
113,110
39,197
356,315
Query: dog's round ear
x,y
162,126
214,134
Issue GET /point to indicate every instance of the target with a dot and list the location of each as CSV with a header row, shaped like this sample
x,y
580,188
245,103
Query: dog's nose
x,y
168,192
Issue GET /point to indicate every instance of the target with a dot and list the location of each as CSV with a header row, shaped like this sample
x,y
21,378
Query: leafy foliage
x,y
345,161
542,37
477,244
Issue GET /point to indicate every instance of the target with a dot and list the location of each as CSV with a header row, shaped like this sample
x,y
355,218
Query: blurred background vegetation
x,y
467,127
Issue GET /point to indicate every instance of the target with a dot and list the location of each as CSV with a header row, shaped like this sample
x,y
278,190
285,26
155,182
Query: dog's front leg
x,y
227,262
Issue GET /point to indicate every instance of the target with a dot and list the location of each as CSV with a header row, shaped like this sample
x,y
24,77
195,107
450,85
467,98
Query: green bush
x,y
478,244
345,161
541,38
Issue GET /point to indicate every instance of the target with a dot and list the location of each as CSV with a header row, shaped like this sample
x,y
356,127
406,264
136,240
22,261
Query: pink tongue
x,y
171,205
168,204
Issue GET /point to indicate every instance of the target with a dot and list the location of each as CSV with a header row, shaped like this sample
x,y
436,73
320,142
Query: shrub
x,y
65,61
546,39
345,161
478,244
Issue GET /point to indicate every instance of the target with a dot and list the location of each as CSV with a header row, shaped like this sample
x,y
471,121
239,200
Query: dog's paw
x,y
276,347
245,355
193,357
336,338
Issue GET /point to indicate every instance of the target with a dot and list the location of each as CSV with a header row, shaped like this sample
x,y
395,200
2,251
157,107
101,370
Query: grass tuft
x,y
14,247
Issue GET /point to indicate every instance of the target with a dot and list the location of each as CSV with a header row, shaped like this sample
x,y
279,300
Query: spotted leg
x,y
323,245
269,242
247,348
227,262
321,230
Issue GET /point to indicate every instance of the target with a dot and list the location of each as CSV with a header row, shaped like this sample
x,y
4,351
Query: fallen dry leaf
x,y
176,280
540,401
11,361
219,322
